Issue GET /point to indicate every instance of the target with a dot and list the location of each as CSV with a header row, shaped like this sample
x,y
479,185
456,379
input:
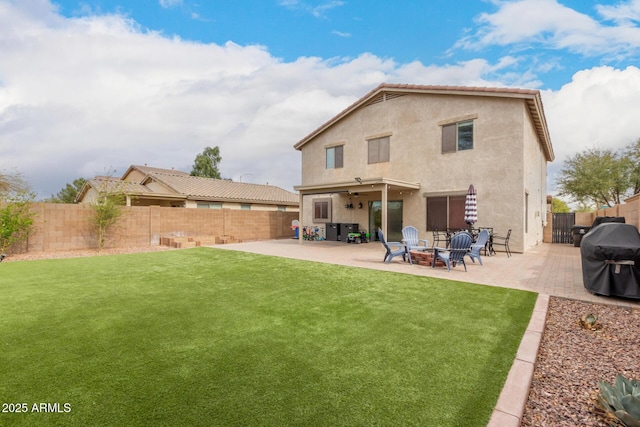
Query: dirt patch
x,y
82,253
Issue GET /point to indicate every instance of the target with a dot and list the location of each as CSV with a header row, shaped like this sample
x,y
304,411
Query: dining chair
x,y
503,241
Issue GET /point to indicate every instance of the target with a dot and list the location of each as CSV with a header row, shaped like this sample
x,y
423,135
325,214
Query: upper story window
x,y
334,157
457,137
379,149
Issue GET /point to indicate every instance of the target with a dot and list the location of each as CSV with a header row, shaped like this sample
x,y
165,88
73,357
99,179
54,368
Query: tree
x,y
107,209
206,163
632,154
16,216
69,192
11,182
559,206
595,176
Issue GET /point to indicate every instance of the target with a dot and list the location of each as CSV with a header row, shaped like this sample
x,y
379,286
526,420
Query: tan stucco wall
x,y
534,191
505,162
238,206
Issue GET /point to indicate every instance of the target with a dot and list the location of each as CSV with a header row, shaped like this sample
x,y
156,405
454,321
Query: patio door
x,y
394,220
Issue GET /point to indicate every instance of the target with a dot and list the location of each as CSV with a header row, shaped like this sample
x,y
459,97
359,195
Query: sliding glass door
x,y
394,220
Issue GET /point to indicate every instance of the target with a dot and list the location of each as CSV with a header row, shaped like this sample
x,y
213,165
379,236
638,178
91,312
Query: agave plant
x,y
590,321
622,400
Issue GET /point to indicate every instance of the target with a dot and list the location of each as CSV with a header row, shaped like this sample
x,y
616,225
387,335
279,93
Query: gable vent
x,y
390,96
385,96
377,99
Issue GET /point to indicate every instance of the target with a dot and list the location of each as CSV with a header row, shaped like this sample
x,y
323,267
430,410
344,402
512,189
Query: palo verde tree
x,y
559,206
16,215
107,209
596,177
206,163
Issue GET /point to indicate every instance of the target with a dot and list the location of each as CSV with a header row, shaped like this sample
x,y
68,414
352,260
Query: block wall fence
x,y
59,226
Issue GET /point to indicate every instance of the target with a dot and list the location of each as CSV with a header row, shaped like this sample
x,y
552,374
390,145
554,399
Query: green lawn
x,y
216,337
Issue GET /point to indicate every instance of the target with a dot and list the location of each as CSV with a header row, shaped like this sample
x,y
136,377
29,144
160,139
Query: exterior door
x,y
394,220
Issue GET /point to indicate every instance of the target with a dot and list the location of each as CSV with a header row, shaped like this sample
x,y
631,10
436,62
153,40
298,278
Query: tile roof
x,y
532,97
113,185
148,169
182,185
200,188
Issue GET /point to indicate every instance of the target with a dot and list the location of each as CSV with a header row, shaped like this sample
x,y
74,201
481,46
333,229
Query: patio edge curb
x,y
515,393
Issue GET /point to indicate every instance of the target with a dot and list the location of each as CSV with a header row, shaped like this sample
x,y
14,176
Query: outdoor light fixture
x,y
359,179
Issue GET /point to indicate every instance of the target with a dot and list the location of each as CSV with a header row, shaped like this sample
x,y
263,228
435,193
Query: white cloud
x,y
319,11
341,34
168,4
525,23
623,13
598,108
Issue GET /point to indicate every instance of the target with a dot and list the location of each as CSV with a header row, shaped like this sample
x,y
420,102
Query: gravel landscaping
x,y
572,360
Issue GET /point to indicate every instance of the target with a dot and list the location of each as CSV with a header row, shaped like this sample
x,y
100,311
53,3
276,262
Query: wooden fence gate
x,y
562,223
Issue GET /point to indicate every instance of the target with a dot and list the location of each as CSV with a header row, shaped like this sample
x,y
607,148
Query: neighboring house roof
x,y
200,188
112,185
181,185
386,90
148,169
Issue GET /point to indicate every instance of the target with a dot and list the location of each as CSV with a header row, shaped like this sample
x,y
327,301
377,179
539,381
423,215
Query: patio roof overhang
x,y
358,184
383,185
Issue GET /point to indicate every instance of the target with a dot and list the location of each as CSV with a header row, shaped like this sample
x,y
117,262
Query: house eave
x,y
240,200
357,185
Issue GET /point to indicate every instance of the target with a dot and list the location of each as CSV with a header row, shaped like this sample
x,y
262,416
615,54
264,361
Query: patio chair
x,y
502,241
481,243
458,248
411,240
401,250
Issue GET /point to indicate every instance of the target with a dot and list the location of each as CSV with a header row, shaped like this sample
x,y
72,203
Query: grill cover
x,y
611,260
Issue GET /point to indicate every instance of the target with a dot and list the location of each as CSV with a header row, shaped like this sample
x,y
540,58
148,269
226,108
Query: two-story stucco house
x,y
406,155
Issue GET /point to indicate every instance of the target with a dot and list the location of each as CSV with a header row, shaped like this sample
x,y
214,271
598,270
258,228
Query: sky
x,y
91,87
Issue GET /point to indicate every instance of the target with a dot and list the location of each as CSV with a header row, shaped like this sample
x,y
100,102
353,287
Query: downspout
x,y
300,217
384,210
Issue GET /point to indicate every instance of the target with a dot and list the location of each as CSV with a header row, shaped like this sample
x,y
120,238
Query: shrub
x,y
16,216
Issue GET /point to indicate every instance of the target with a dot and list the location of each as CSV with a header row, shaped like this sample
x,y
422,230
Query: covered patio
x,y
367,189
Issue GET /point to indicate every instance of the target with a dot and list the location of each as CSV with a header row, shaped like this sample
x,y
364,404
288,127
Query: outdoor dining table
x,y
488,248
